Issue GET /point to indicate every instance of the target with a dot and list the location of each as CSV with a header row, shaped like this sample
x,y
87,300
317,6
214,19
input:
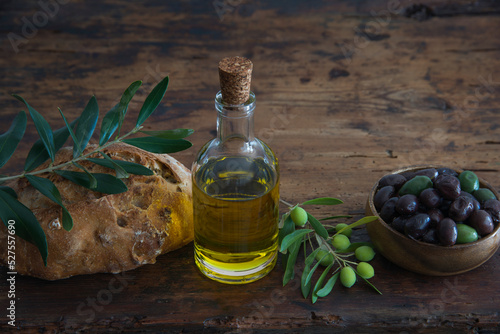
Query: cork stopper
x,y
235,75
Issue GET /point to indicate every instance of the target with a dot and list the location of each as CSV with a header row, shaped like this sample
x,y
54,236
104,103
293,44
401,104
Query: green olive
x,y
469,181
299,216
365,270
466,234
483,194
347,232
324,257
364,253
341,242
347,277
416,185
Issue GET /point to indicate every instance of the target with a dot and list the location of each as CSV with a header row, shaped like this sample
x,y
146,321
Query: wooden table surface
x,y
346,92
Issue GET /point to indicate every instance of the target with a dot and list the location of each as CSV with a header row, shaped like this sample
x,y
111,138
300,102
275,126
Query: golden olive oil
x,y
236,218
235,188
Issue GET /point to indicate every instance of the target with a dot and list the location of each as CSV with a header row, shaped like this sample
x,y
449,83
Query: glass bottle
x,y
235,188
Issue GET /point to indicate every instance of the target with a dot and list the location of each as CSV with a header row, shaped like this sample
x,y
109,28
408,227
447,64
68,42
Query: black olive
x,y
407,204
481,221
435,215
475,202
417,225
388,211
448,186
492,206
431,236
383,196
432,173
399,223
430,198
461,208
395,180
447,171
447,232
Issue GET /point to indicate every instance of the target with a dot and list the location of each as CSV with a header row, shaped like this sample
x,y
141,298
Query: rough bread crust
x,y
111,233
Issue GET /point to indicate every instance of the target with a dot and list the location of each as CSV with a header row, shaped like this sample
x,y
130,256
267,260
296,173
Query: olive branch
x,y
330,251
80,130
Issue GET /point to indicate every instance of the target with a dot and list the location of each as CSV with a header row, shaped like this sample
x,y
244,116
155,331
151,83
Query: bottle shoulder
x,y
268,150
254,149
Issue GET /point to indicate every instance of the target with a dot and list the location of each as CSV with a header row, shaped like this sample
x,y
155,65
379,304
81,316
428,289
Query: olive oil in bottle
x,y
235,188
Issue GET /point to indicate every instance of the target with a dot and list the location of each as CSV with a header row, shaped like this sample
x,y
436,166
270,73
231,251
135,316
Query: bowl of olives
x,y
434,220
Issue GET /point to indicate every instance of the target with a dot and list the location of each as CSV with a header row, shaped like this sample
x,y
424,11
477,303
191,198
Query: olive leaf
x,y
335,217
323,201
305,284
86,126
68,126
362,221
10,139
113,119
129,167
310,258
152,101
319,283
288,227
327,288
318,227
92,184
9,191
111,122
38,154
311,272
121,173
290,263
293,237
170,134
368,282
106,183
305,287
42,127
26,225
159,145
47,188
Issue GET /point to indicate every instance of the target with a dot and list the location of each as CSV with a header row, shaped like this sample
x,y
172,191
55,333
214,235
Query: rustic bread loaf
x,y
111,233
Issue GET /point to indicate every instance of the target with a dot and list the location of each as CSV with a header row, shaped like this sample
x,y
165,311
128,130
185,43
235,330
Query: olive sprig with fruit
x,y
323,245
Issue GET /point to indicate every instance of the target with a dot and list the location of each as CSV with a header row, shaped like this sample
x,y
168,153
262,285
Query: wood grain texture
x,y
346,91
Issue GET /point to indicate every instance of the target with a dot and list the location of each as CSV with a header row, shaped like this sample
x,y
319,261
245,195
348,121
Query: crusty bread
x,y
111,233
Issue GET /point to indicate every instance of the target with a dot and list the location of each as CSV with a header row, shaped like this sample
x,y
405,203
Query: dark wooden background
x,y
346,91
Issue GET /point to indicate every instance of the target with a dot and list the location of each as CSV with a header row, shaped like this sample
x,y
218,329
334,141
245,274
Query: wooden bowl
x,y
425,258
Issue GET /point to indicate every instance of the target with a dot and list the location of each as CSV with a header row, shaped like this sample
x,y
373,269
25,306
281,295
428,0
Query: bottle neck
x,y
235,122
